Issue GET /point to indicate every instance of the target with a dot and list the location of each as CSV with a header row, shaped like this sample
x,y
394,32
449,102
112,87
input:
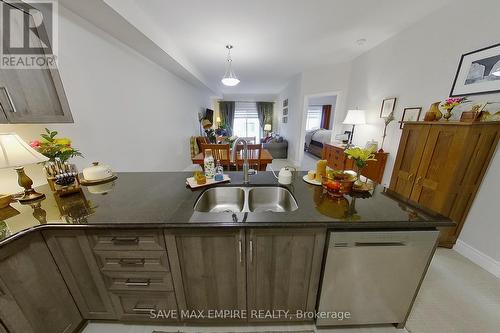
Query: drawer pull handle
x,y
125,240
132,262
132,283
144,310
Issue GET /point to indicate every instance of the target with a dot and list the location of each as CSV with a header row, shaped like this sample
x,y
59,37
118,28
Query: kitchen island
x,y
140,252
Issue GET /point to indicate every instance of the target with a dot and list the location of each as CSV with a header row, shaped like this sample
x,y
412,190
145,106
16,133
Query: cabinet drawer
x,y
140,261
141,305
127,240
139,281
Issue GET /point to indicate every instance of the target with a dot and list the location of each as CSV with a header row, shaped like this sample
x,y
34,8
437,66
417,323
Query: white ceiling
x,y
273,39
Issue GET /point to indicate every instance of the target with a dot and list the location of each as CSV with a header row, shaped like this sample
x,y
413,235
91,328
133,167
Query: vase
x,y
435,109
447,115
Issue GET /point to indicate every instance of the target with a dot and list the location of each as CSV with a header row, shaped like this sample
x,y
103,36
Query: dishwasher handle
x,y
369,244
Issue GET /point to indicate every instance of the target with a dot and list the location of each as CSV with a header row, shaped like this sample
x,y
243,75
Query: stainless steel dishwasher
x,y
372,277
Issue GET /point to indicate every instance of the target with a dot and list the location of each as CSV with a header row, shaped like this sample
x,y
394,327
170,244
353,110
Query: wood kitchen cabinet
x,y
208,268
73,255
283,269
31,95
440,165
33,295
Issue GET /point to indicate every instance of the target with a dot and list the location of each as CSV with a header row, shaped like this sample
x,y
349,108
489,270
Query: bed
x,y
315,140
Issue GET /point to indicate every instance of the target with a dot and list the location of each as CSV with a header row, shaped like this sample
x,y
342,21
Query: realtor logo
x,y
28,34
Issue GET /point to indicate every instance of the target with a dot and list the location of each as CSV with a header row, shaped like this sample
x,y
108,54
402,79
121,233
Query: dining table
x,y
265,159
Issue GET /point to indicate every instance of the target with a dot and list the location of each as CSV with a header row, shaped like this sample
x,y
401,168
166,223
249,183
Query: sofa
x,y
277,147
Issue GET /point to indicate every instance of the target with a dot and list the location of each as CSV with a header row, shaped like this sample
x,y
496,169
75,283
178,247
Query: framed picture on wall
x,y
285,111
285,103
285,120
388,105
410,114
478,72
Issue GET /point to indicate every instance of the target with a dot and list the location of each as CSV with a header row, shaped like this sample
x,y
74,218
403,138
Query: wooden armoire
x,y
440,165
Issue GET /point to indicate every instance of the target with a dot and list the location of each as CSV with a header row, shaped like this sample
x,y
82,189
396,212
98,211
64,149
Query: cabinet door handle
x,y
251,251
132,262
125,240
410,177
9,99
419,180
144,309
132,283
240,248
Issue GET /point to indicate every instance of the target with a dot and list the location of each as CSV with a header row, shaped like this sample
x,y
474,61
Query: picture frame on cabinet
x,y
478,72
388,106
410,114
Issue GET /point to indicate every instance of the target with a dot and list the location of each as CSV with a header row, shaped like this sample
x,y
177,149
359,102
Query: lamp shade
x,y
355,117
218,120
267,127
206,123
14,152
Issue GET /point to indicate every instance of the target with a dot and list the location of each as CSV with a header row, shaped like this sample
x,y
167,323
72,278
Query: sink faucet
x,y
246,168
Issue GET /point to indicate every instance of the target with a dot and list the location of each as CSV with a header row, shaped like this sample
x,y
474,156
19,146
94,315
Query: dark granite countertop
x,y
161,199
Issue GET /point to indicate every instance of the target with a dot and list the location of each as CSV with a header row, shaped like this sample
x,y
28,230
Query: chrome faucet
x,y
246,168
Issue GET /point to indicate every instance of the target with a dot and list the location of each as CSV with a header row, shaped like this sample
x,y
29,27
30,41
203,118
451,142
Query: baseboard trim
x,y
478,257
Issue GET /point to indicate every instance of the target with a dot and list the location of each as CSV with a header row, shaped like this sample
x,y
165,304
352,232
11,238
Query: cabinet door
x,y
33,95
33,296
208,268
410,151
73,255
442,156
283,270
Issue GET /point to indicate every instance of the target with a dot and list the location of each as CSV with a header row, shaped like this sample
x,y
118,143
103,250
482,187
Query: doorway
x,y
318,123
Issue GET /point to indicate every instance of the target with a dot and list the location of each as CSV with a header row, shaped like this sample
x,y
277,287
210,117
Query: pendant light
x,y
229,78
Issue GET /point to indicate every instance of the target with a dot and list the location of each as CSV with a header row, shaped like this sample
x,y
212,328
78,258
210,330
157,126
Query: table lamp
x,y
218,121
354,117
267,128
15,153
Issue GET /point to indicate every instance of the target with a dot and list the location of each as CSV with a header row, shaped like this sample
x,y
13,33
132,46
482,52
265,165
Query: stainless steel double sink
x,y
246,199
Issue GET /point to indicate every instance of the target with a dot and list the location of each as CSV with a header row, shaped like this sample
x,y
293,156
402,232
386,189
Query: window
x,y
246,120
314,114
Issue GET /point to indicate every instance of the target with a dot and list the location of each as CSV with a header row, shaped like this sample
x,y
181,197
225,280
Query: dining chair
x,y
254,156
220,153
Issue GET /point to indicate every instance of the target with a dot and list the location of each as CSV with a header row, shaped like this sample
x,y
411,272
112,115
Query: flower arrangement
x,y
53,147
451,102
361,156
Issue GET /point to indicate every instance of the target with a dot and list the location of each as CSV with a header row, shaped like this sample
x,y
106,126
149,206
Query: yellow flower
x,y
63,141
361,154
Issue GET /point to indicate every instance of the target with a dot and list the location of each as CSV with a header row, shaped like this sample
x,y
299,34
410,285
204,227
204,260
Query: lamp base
x,y
29,193
30,196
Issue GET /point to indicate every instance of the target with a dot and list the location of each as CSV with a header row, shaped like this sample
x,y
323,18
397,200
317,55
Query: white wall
x,y
418,67
291,130
128,111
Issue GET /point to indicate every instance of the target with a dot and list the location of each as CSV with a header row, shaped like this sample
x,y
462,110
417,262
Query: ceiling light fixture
x,y
229,78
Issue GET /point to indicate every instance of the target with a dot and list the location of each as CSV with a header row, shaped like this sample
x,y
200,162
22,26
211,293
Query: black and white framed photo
x,y
478,72
410,114
285,111
388,105
285,120
285,103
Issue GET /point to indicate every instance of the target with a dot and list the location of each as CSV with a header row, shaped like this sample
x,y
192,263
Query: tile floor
x,y
457,296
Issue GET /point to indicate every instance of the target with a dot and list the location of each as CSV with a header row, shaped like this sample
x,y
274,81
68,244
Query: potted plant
x,y
361,156
53,147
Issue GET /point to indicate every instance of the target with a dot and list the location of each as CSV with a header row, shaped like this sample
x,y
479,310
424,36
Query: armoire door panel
x,y
436,173
408,158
